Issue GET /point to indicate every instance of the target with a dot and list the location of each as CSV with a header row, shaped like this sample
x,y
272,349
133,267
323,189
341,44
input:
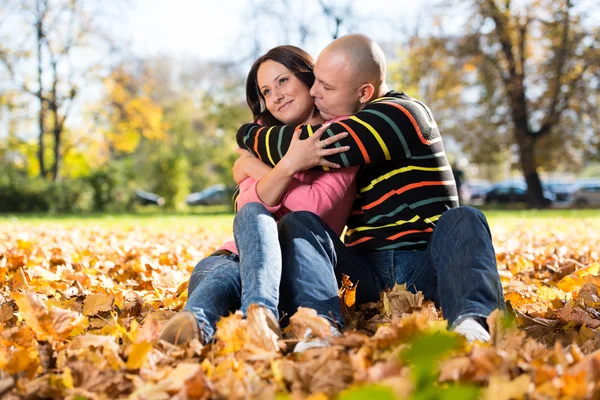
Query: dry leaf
x,y
97,303
306,318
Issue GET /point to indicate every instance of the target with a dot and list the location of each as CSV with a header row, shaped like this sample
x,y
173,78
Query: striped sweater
x,y
405,182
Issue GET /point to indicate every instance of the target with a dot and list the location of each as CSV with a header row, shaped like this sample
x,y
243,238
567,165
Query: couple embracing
x,y
332,146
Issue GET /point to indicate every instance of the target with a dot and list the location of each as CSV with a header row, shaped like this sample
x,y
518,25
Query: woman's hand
x,y
308,153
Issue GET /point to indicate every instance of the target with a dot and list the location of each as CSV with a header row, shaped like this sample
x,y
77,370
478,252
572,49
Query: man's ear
x,y
365,92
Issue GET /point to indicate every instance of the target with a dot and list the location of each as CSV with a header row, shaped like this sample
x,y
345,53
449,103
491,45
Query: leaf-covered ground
x,y
81,307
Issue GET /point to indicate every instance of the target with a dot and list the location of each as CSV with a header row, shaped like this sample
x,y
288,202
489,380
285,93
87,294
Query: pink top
x,y
328,194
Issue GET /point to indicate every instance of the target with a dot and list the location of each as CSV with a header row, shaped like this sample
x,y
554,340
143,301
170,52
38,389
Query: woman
x,y
249,270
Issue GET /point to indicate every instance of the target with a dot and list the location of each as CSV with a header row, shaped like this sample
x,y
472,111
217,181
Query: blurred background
x,y
117,106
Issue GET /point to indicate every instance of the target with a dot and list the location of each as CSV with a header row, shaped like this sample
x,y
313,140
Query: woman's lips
x,y
284,106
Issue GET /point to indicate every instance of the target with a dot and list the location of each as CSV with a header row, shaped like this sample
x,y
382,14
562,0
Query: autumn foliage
x,y
81,310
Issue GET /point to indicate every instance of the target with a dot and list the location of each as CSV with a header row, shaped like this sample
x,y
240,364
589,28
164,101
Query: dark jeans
x,y
457,270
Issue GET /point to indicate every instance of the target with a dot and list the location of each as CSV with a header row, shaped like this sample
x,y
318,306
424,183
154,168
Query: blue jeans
x,y
457,270
222,284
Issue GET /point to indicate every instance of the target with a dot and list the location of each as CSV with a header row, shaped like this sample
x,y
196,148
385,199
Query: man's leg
x,y
461,262
214,291
314,259
256,238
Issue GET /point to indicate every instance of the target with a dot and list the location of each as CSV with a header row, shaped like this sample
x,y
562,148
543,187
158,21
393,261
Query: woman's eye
x,y
283,80
266,92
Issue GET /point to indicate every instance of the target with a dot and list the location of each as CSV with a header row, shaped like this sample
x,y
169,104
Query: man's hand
x,y
308,153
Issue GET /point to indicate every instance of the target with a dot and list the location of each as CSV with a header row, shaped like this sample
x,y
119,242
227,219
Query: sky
x,y
214,30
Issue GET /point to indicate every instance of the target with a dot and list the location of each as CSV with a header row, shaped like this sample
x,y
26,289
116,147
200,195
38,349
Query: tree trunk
x,y
40,96
535,192
55,166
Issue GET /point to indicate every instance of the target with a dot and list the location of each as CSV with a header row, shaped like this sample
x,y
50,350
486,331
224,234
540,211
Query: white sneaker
x,y
310,342
472,330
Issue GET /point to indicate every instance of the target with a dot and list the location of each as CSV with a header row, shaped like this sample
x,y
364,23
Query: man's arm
x,y
387,128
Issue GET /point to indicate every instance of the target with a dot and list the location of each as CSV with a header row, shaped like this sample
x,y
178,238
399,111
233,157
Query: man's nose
x,y
313,90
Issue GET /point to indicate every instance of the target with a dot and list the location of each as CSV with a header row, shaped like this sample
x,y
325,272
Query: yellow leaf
x,y
232,333
67,378
97,303
138,355
54,323
502,388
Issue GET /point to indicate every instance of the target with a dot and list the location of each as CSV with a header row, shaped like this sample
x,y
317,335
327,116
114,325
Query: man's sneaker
x,y
181,329
311,342
472,330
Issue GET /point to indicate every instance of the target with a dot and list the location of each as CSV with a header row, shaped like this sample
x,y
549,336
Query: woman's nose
x,y
278,95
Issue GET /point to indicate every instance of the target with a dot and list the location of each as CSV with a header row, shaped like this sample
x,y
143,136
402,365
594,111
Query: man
x,y
405,226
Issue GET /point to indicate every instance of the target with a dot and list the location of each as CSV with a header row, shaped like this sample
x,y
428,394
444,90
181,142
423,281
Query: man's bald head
x,y
349,73
363,56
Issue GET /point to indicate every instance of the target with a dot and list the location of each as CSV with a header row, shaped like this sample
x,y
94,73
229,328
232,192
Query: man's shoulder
x,y
409,106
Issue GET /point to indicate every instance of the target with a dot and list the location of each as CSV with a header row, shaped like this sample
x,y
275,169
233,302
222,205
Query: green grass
x,y
222,218
213,216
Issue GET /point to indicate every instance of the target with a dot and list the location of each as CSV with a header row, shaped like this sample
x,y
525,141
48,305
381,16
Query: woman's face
x,y
286,97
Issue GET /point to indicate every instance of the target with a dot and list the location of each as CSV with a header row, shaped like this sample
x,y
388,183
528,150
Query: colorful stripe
x,y
402,244
399,235
248,136
338,145
400,171
359,241
386,152
433,219
268,146
397,223
433,200
360,144
256,143
279,142
405,189
394,128
415,125
390,214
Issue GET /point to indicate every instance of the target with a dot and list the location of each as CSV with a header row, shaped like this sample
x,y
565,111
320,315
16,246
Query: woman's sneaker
x,y
181,329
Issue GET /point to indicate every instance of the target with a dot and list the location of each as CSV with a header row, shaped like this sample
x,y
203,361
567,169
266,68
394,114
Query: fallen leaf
x,y
97,303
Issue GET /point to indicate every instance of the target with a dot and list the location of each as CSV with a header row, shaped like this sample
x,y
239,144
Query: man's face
x,y
334,91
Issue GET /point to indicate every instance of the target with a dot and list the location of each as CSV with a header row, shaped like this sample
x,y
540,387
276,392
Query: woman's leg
x,y
255,232
214,291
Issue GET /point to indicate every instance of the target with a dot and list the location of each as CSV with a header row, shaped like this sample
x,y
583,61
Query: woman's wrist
x,y
286,167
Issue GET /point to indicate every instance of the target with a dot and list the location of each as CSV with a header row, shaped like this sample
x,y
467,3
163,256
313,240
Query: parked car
x,y
562,190
586,195
511,192
148,198
212,195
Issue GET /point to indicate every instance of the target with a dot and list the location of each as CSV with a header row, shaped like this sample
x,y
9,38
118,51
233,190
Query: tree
x,y
522,75
64,48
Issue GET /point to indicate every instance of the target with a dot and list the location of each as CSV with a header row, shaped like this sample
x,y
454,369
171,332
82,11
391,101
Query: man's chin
x,y
325,115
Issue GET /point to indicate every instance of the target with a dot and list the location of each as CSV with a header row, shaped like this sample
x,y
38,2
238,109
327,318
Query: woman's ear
x,y
365,92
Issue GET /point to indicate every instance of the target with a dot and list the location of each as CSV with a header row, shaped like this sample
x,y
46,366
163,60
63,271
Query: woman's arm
x,y
323,194
247,165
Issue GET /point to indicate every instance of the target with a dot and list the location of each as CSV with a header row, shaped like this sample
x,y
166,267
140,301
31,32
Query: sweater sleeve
x,y
322,194
248,194
387,127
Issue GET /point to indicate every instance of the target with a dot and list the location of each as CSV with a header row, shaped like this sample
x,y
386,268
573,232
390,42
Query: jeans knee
x,y
249,211
464,215
298,219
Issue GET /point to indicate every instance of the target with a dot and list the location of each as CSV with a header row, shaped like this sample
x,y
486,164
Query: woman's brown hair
x,y
299,62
